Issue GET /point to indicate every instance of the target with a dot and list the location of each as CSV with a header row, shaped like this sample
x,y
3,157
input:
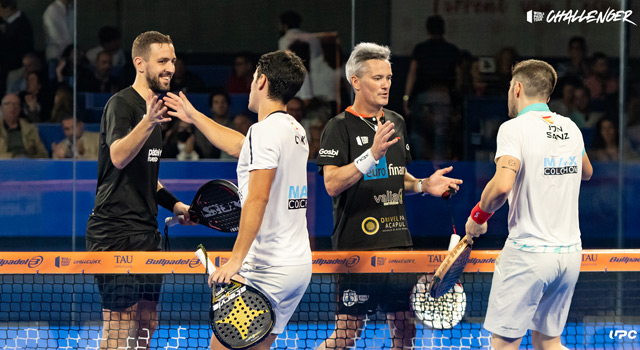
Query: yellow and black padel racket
x,y
241,316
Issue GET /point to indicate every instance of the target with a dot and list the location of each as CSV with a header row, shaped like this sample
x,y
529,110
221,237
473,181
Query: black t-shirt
x,y
370,214
126,199
437,61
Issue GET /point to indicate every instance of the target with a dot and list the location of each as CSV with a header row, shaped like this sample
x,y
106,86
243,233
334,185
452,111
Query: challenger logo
x,y
370,226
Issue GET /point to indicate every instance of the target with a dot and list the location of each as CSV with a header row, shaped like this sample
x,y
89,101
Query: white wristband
x,y
365,161
419,186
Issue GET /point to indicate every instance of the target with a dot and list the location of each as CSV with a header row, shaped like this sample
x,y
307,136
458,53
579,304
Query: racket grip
x,y
173,220
453,241
209,264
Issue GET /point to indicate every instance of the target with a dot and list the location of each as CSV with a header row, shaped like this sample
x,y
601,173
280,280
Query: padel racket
x,y
449,271
441,313
240,315
216,205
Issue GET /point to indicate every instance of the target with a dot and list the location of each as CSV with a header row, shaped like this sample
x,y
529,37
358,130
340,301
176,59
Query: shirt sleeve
x,y
118,116
264,147
334,145
509,141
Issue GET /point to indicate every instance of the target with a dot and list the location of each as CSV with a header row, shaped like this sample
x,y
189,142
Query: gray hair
x,y
362,53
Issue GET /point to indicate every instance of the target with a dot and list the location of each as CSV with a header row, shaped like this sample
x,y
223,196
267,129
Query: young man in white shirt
x,y
540,162
272,251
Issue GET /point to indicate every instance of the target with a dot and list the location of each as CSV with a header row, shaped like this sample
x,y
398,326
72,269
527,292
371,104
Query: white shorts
x,y
531,291
284,286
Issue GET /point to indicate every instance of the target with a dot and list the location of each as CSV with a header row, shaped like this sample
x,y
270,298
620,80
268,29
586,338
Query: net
x,y
52,301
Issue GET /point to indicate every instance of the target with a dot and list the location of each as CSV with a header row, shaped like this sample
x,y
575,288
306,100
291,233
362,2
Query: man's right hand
x,y
381,142
155,110
181,107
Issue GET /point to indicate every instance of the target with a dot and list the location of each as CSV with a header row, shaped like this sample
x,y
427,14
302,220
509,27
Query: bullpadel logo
x,y
580,16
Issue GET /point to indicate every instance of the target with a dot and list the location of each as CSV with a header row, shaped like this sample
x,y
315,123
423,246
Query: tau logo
x,y
35,261
124,259
436,258
621,333
590,257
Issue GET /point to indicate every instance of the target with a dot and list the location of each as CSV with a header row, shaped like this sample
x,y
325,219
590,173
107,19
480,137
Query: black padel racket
x,y
240,315
216,205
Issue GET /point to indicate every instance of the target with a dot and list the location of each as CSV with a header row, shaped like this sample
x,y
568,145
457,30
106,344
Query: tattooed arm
x,y
495,194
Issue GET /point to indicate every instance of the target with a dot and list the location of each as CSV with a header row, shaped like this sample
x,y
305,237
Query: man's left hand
x,y
437,184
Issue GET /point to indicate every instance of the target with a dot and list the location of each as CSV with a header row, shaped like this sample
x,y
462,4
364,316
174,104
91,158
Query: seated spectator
x,y
184,80
242,123
295,108
64,69
101,80
468,80
62,104
240,81
17,78
600,82
606,143
87,142
576,66
111,42
220,113
36,99
498,84
581,113
564,104
18,138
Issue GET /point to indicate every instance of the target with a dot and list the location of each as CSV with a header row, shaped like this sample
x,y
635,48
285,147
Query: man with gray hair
x,y
363,156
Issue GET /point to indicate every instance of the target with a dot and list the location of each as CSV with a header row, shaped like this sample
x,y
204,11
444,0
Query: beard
x,y
155,85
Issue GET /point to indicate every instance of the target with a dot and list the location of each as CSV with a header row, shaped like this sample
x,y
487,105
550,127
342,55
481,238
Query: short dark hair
x,y
580,41
109,34
291,19
216,93
142,44
435,25
538,78
598,56
285,73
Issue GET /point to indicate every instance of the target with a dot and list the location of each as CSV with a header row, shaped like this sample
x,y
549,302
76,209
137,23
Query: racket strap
x,y
167,245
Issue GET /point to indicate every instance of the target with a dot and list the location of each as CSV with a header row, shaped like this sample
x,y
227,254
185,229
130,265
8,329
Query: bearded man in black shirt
x,y
363,156
128,193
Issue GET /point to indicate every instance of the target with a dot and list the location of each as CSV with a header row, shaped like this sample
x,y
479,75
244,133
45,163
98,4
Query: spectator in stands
x,y
18,138
87,142
101,80
186,81
17,78
16,39
505,60
57,23
320,80
62,104
576,66
64,69
220,114
243,67
242,123
430,83
36,99
295,108
599,81
468,81
581,113
564,104
606,147
111,42
184,141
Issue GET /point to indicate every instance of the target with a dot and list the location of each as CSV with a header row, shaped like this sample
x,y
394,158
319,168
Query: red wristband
x,y
480,216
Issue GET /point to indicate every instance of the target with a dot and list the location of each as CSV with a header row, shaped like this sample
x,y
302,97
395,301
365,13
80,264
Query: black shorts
x,y
120,291
360,294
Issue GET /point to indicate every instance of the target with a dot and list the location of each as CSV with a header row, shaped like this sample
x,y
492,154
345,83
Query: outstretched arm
x,y
222,137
